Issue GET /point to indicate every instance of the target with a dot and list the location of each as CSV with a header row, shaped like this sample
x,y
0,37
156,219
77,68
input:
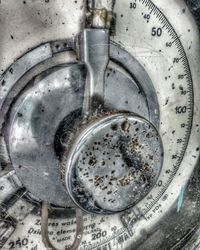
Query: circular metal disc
x,y
38,113
113,163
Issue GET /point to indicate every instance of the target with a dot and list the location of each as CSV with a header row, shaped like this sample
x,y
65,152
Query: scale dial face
x,y
163,38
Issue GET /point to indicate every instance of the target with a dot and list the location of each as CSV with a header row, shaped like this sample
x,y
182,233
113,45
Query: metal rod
x,y
96,57
94,51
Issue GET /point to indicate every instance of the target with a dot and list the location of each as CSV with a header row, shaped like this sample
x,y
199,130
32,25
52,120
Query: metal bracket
x,y
44,228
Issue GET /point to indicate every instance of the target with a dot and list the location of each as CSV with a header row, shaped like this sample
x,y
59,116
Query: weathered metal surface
x,y
95,55
38,138
112,162
194,6
23,28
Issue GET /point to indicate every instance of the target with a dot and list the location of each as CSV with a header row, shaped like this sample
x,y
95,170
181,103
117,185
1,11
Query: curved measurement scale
x,y
170,57
173,83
